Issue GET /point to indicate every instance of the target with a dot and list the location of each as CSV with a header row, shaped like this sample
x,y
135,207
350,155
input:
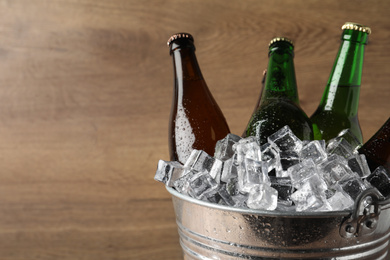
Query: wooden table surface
x,y
85,96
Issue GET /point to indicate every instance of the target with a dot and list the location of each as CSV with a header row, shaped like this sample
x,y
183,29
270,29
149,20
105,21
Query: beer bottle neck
x,y
186,67
343,87
280,82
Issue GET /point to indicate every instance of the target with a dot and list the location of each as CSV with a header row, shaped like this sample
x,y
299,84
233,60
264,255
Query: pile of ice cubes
x,y
285,174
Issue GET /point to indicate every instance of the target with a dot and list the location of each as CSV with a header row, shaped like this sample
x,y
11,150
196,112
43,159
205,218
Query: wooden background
x,y
85,96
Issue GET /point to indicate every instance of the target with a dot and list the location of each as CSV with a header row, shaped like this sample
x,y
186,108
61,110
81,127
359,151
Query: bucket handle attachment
x,y
364,218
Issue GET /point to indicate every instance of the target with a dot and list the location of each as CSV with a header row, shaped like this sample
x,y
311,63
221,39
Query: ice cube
x,y
340,146
270,154
313,150
182,183
285,140
287,160
353,185
229,169
224,147
256,171
247,148
286,206
357,163
301,172
340,201
167,172
225,197
324,207
350,138
252,173
323,144
284,188
334,168
380,179
202,185
232,186
200,161
262,196
216,170
311,195
240,200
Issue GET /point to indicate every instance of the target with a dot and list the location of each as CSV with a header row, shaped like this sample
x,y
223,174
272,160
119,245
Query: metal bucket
x,y
211,231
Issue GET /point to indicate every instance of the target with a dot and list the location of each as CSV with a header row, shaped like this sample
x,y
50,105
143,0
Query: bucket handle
x,y
364,218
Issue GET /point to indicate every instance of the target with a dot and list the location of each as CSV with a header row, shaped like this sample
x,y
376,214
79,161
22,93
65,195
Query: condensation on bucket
x,y
211,231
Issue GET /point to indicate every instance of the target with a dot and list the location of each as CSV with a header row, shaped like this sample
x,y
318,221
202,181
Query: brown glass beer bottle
x,y
377,148
196,121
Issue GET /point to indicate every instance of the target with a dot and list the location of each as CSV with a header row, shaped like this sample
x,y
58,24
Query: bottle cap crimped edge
x,y
178,36
356,27
281,39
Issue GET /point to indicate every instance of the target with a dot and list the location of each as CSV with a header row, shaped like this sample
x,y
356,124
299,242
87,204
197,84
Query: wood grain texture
x,y
85,95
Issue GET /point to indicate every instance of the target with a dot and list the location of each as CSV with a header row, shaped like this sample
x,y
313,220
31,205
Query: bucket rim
x,y
269,213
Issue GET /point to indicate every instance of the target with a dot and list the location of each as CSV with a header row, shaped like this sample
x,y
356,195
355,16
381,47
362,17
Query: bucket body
x,y
211,231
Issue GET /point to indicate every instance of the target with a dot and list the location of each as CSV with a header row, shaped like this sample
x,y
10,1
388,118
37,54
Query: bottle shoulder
x,y
273,115
330,124
280,113
332,117
279,105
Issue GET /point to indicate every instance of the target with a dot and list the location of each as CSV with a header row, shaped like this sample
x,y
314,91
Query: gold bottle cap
x,y
178,36
281,39
356,27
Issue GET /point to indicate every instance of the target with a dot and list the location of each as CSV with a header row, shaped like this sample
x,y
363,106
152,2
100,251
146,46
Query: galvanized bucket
x,y
211,231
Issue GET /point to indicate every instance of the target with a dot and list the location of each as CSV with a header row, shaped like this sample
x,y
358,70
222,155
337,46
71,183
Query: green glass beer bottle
x,y
279,101
196,121
338,109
